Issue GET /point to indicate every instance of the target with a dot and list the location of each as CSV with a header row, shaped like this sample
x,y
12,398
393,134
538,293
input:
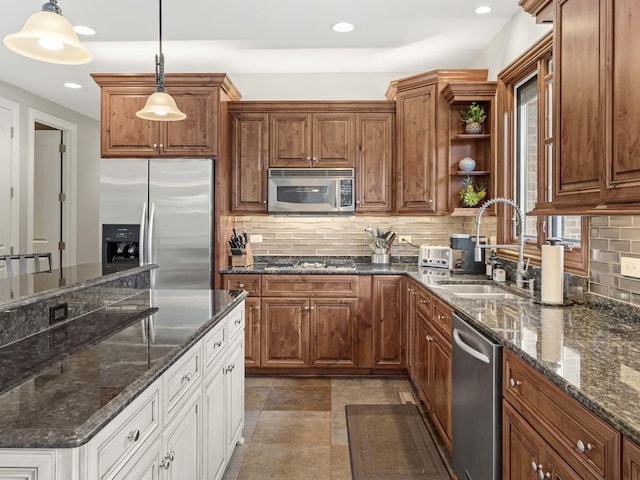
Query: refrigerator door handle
x,y
152,217
143,234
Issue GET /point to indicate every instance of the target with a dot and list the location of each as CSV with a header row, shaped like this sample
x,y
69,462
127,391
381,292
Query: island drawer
x,y
248,282
180,379
127,433
214,343
235,321
587,444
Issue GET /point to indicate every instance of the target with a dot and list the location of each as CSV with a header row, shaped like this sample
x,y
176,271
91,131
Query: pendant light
x,y
160,106
49,37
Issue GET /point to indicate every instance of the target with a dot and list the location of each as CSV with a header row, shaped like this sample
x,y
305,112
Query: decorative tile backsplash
x,y
613,237
345,236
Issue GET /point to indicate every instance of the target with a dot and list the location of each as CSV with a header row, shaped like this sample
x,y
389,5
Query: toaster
x,y
434,256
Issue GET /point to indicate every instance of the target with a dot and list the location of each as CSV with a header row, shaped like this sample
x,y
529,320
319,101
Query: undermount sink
x,y
479,291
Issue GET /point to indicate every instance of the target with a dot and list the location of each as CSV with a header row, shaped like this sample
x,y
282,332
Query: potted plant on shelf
x,y
471,194
473,118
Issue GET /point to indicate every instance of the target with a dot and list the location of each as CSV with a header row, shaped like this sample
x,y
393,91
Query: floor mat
x,y
391,442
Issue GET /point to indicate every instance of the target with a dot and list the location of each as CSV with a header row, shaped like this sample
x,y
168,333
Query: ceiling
x,y
254,36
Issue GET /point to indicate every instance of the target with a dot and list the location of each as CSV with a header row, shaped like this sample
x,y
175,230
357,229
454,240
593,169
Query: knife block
x,y
244,259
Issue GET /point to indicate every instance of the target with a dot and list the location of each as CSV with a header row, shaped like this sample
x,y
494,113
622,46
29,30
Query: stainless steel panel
x,y
123,189
181,240
476,397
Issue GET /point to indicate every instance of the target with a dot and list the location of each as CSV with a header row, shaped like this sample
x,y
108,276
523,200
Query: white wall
x,y
515,38
88,171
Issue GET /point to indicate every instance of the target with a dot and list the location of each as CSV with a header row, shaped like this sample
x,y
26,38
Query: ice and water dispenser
x,y
120,247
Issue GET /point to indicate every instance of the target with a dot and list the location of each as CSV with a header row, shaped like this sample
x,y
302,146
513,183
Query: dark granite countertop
x,y
592,352
361,269
61,386
22,290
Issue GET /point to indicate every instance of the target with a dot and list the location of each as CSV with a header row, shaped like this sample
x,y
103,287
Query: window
x,y
525,158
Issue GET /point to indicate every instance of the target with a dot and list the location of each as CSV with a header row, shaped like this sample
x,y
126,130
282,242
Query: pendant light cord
x,y
160,57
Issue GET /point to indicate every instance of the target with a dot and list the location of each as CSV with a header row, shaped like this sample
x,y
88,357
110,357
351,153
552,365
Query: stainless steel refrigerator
x,y
172,201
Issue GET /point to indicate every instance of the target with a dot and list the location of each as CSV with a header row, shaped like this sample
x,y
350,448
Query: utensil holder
x,y
242,259
383,258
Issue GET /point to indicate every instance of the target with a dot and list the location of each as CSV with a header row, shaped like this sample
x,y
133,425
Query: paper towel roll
x,y
552,288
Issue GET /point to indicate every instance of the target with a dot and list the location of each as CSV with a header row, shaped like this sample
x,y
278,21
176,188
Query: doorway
x,y
51,202
48,192
9,170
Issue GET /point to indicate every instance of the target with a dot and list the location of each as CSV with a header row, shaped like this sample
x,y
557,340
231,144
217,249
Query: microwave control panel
x,y
346,192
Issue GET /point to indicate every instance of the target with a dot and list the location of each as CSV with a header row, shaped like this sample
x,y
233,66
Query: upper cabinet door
x,y
290,140
249,162
621,175
416,160
333,140
578,91
196,135
374,176
122,133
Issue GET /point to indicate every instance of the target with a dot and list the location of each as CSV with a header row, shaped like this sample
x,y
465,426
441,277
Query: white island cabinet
x,y
184,425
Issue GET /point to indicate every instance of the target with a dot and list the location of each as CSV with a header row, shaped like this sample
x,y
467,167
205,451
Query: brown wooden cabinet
x,y
318,140
527,456
357,135
309,321
410,299
479,147
249,161
389,329
375,134
197,95
597,107
630,460
433,362
422,140
579,441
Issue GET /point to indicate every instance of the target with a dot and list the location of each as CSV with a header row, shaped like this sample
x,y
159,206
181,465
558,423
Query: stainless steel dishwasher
x,y
477,407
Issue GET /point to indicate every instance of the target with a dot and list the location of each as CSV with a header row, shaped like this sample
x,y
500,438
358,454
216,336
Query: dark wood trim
x,y
313,106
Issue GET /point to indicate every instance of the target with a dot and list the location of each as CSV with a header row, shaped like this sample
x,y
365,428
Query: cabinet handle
x,y
257,307
315,159
241,285
422,301
217,344
313,309
357,202
264,201
162,145
166,462
306,309
186,377
514,383
155,145
308,159
534,467
134,435
582,447
541,473
430,200
238,322
440,317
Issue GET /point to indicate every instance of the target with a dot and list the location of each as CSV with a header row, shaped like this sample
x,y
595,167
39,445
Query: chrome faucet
x,y
522,268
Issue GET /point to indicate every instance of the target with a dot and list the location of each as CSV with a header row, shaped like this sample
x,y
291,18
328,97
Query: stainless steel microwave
x,y
311,190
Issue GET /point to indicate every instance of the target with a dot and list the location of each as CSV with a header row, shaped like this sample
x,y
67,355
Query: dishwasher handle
x,y
467,349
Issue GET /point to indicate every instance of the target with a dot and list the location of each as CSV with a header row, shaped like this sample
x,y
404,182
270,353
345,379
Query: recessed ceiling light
x,y
72,85
343,27
483,9
82,30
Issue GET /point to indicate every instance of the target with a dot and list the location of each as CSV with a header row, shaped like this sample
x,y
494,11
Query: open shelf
x,y
462,173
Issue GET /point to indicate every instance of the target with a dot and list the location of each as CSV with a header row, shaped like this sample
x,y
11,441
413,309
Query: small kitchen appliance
x,y
311,190
462,255
434,256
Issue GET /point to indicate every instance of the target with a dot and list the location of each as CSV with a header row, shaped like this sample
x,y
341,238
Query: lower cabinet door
x,y
440,386
235,395
144,467
182,443
252,332
27,465
523,448
285,332
333,336
214,442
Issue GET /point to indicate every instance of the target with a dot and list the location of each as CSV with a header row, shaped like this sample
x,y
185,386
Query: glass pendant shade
x,y
161,107
49,37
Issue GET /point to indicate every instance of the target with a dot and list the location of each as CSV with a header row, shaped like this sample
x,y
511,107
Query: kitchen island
x,y
147,379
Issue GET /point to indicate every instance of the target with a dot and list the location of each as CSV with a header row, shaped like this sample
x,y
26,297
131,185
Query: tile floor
x,y
295,428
